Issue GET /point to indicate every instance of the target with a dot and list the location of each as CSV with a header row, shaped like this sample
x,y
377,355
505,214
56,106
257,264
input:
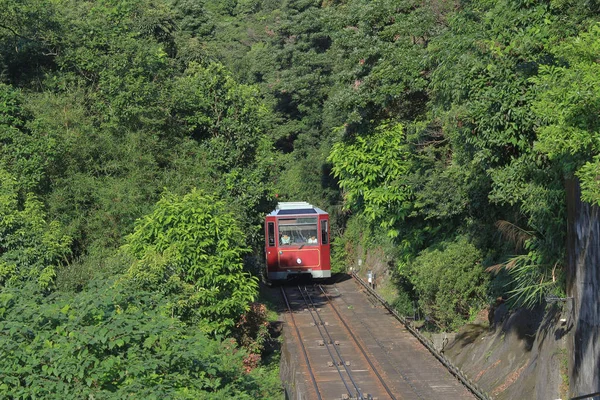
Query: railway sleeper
x,y
322,342
338,363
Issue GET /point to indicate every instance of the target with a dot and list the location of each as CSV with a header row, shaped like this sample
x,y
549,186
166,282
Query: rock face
x,y
522,357
583,285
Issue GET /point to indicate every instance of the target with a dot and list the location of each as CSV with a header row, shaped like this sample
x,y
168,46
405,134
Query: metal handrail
x,y
586,396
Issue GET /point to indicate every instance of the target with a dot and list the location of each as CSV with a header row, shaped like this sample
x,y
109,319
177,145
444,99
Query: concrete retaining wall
x,y
583,285
290,371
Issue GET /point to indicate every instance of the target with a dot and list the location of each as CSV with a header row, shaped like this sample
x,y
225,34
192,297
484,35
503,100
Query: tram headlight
x,y
299,261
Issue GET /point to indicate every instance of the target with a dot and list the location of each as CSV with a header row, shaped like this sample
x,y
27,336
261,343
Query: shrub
x,y
109,342
450,282
191,250
31,249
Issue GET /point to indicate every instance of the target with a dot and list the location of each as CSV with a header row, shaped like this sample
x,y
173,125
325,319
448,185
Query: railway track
x,y
318,305
302,346
354,349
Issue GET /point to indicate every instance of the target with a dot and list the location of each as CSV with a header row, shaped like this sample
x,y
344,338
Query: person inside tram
x,y
285,239
312,240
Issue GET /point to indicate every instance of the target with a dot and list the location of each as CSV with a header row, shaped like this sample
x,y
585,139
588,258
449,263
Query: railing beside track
x,y
472,386
586,396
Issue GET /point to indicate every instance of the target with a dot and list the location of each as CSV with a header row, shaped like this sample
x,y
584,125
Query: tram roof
x,y
295,208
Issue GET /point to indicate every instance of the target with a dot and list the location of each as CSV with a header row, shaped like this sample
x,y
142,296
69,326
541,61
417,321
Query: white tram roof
x,y
295,207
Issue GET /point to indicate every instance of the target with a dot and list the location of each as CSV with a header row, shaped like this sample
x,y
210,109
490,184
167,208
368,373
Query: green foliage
x,y
25,151
371,170
31,249
450,281
94,129
226,121
28,33
379,50
108,342
484,87
566,103
120,113
308,177
588,177
346,248
455,116
111,110
252,333
190,248
213,105
358,239
530,279
534,273
404,303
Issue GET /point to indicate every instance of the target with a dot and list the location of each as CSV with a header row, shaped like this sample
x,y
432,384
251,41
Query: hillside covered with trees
x,y
142,142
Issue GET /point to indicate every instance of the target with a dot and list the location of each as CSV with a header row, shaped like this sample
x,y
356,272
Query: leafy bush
x,y
566,101
532,274
30,247
190,249
359,239
450,282
403,303
108,342
251,332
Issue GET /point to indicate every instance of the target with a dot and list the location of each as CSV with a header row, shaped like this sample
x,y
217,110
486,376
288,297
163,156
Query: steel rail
x,y
458,373
326,342
404,377
312,376
381,380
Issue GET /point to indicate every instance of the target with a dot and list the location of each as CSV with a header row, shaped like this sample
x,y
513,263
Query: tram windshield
x,y
298,231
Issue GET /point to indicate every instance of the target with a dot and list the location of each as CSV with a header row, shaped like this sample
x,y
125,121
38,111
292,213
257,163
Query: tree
x,y
231,145
25,151
482,93
29,32
371,170
567,100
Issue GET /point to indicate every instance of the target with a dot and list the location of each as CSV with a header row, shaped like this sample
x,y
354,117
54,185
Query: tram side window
x,y
324,232
271,230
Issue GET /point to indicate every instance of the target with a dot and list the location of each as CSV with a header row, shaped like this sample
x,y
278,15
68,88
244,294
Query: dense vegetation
x,y
446,125
142,141
132,187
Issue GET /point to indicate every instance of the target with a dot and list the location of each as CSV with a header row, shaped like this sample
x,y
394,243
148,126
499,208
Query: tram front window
x,y
298,231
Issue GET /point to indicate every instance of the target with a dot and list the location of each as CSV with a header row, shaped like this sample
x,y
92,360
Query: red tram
x,y
297,241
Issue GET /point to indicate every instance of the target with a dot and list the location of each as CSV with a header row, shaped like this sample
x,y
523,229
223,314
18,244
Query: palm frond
x,y
514,233
531,295
531,283
509,264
